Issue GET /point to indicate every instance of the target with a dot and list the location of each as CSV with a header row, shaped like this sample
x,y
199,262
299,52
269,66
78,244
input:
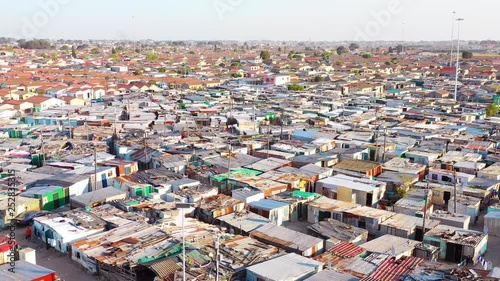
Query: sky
x,y
279,20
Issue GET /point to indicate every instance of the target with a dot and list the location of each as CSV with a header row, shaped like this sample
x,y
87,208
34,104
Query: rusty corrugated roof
x,y
165,268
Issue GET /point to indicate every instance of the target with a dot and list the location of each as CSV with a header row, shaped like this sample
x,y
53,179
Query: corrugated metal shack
x,y
406,226
456,244
334,232
289,240
326,208
123,167
367,218
269,187
391,245
278,212
269,164
238,253
242,222
286,267
216,206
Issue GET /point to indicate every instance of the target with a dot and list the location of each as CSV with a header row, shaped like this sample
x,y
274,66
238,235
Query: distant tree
x,y
152,57
73,52
184,70
353,46
279,49
235,63
326,55
231,121
399,48
318,79
191,52
137,72
291,54
82,47
366,56
339,62
341,50
295,87
236,75
162,70
467,55
124,116
265,55
54,56
113,51
119,48
34,44
95,51
492,110
115,57
388,63
64,48
391,50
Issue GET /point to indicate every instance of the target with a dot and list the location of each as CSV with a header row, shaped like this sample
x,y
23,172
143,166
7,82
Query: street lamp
x,y
452,33
458,56
182,207
217,254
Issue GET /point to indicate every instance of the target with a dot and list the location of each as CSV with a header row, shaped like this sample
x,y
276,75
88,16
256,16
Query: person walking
x,y
28,233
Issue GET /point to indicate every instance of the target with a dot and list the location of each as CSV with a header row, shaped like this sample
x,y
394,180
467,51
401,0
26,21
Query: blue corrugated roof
x,y
267,204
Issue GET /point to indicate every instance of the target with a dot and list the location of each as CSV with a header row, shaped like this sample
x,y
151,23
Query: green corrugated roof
x,y
298,193
240,172
133,202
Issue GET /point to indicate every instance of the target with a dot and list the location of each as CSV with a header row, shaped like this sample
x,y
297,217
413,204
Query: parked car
x,y
26,218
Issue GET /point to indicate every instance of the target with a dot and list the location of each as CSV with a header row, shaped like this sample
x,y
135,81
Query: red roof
x,y
451,70
37,99
393,270
346,250
15,102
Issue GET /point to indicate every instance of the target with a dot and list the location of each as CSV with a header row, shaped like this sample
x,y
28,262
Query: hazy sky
x,y
316,20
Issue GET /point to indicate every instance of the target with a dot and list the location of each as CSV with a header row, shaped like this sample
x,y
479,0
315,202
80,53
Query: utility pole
x,y
95,167
425,211
128,107
269,132
454,189
41,148
114,124
217,258
281,123
146,151
229,165
385,143
376,135
86,131
229,159
183,249
69,126
268,147
165,125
